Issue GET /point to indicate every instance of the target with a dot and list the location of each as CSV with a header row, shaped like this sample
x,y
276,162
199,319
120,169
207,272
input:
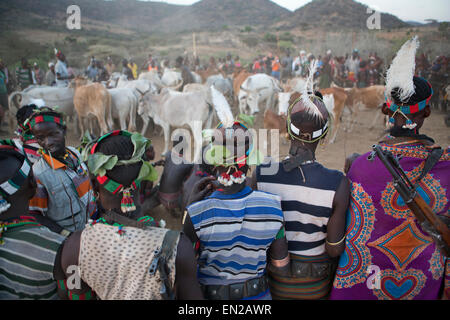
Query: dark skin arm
x,y
201,189
336,224
69,257
278,250
253,183
349,161
186,283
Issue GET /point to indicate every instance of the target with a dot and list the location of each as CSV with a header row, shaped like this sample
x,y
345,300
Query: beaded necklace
x,y
145,221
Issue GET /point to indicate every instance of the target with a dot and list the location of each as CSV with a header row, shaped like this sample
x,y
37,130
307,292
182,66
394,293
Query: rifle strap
x,y
431,161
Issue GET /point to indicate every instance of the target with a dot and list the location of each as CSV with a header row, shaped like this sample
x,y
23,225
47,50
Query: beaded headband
x,y
99,163
294,132
412,108
12,185
36,118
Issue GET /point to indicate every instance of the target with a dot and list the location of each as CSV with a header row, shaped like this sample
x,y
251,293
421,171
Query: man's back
x,y
235,231
383,234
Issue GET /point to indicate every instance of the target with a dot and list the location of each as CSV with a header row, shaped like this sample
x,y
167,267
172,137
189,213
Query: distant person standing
x,y
38,74
286,66
3,95
50,76
276,68
23,74
126,70
269,60
92,71
62,75
134,68
9,83
256,66
110,66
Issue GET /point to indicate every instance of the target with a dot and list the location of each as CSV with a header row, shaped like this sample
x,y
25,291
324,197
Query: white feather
x,y
222,107
308,90
401,72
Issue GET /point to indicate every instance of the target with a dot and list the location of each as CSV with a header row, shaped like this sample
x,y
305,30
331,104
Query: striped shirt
x,y
24,78
52,195
235,231
307,207
27,260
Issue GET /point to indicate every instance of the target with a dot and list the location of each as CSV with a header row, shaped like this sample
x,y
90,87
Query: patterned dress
x,y
388,256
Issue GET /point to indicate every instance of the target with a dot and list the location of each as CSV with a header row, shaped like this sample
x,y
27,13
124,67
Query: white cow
x,y
124,103
256,89
140,85
172,109
153,77
171,78
61,97
222,84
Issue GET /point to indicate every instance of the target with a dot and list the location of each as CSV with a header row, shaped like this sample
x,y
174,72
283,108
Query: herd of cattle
x,y
159,98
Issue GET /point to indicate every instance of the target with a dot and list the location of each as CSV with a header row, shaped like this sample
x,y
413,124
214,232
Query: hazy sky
x,y
416,10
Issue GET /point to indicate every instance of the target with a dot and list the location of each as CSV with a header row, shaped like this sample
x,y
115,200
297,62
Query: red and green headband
x,y
40,118
99,164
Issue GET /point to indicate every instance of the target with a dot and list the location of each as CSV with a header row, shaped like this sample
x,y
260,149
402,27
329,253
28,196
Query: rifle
x,y
428,220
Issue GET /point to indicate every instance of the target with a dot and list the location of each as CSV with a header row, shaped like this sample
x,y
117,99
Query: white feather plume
x,y
401,72
56,51
222,107
308,90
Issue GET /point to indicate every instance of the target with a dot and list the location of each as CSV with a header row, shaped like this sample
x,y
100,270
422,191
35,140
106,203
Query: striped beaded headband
x,y
127,203
294,132
115,187
411,108
35,119
12,185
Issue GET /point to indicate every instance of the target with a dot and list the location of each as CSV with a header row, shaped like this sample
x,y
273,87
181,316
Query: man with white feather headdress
x,y
237,232
383,237
314,200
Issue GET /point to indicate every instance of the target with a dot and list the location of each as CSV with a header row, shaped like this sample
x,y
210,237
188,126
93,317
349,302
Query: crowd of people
x,y
300,232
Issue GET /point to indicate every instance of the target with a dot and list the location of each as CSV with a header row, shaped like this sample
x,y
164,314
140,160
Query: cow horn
x,y
12,99
245,90
178,86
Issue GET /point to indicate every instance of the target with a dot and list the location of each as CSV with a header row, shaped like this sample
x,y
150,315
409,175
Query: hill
x,y
337,14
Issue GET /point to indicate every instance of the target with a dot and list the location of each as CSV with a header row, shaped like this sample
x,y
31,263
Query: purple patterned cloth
x,y
388,256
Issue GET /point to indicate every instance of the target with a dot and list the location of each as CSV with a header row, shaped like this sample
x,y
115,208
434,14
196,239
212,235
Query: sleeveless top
x,y
27,260
235,232
69,192
307,206
117,267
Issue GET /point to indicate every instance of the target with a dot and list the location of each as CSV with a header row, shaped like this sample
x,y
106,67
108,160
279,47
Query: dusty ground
x,y
332,156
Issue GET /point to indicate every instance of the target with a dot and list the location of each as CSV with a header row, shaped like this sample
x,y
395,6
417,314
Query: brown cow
x,y
370,98
92,99
336,109
277,122
238,80
205,74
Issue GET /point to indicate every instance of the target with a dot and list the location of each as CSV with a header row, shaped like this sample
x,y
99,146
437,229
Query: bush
x,y
250,41
269,37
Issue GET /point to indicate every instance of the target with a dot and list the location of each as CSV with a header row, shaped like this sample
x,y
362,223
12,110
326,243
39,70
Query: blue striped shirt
x,y
235,232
